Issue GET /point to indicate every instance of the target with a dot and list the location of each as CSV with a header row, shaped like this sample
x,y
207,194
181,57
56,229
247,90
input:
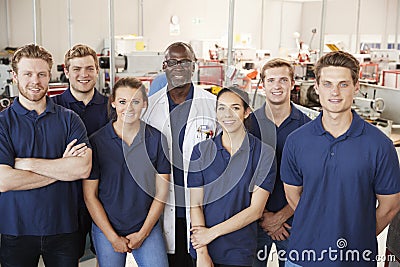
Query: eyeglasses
x,y
184,63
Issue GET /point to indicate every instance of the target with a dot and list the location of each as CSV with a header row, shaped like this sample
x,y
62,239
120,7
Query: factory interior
x,y
232,39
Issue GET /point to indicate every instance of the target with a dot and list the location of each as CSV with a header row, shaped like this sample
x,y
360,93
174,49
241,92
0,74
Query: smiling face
x,y
277,85
231,112
336,89
32,79
181,73
82,74
128,104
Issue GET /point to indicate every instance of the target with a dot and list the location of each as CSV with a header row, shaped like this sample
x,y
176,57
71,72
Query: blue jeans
x,y
264,244
291,264
151,253
56,250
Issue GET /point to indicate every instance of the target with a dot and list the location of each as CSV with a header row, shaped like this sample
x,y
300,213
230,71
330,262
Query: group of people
x,y
184,178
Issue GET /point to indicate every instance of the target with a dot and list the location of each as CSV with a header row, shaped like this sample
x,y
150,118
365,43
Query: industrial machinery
x,y
135,63
5,77
304,71
369,108
369,72
144,65
380,106
390,96
308,96
7,89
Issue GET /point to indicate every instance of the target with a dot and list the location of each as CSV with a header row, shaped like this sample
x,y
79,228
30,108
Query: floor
x,y
274,263
130,262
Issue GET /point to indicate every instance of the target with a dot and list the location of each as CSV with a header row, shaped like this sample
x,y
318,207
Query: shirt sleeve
x,y
7,153
265,173
56,99
163,164
77,130
195,174
249,124
387,175
95,172
290,173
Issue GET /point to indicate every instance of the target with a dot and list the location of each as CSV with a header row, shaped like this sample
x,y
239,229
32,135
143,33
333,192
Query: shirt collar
x,y
247,144
356,127
110,132
260,113
188,97
17,107
68,97
294,113
96,99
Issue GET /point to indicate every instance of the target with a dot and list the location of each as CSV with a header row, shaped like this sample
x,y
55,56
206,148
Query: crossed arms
x,y
31,173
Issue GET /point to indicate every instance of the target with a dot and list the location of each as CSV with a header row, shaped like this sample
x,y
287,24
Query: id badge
x,y
205,132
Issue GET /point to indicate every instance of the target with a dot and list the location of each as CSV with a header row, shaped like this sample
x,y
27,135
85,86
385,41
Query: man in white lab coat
x,y
185,114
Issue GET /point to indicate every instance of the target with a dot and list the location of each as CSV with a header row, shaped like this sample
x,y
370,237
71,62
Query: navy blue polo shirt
x,y
340,178
51,209
228,183
179,114
94,114
263,128
127,174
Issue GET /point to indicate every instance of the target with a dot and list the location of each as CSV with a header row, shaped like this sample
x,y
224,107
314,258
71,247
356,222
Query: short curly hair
x,y
80,50
31,51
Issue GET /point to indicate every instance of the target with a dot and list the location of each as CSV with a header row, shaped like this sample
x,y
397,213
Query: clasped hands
x,y
201,236
127,243
275,226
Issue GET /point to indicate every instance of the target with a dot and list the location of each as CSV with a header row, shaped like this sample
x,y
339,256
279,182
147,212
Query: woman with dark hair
x,y
230,178
127,188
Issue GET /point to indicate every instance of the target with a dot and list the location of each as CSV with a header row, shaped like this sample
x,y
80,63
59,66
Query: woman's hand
x,y
135,240
204,260
201,236
120,244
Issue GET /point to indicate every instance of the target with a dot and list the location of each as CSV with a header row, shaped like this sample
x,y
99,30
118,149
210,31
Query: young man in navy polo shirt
x,y
334,170
38,162
272,123
81,66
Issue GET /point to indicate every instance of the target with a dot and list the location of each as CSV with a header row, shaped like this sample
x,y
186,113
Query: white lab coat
x,y
202,113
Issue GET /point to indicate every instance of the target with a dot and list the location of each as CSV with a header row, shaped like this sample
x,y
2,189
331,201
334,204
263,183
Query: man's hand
x,y
271,221
281,234
73,150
